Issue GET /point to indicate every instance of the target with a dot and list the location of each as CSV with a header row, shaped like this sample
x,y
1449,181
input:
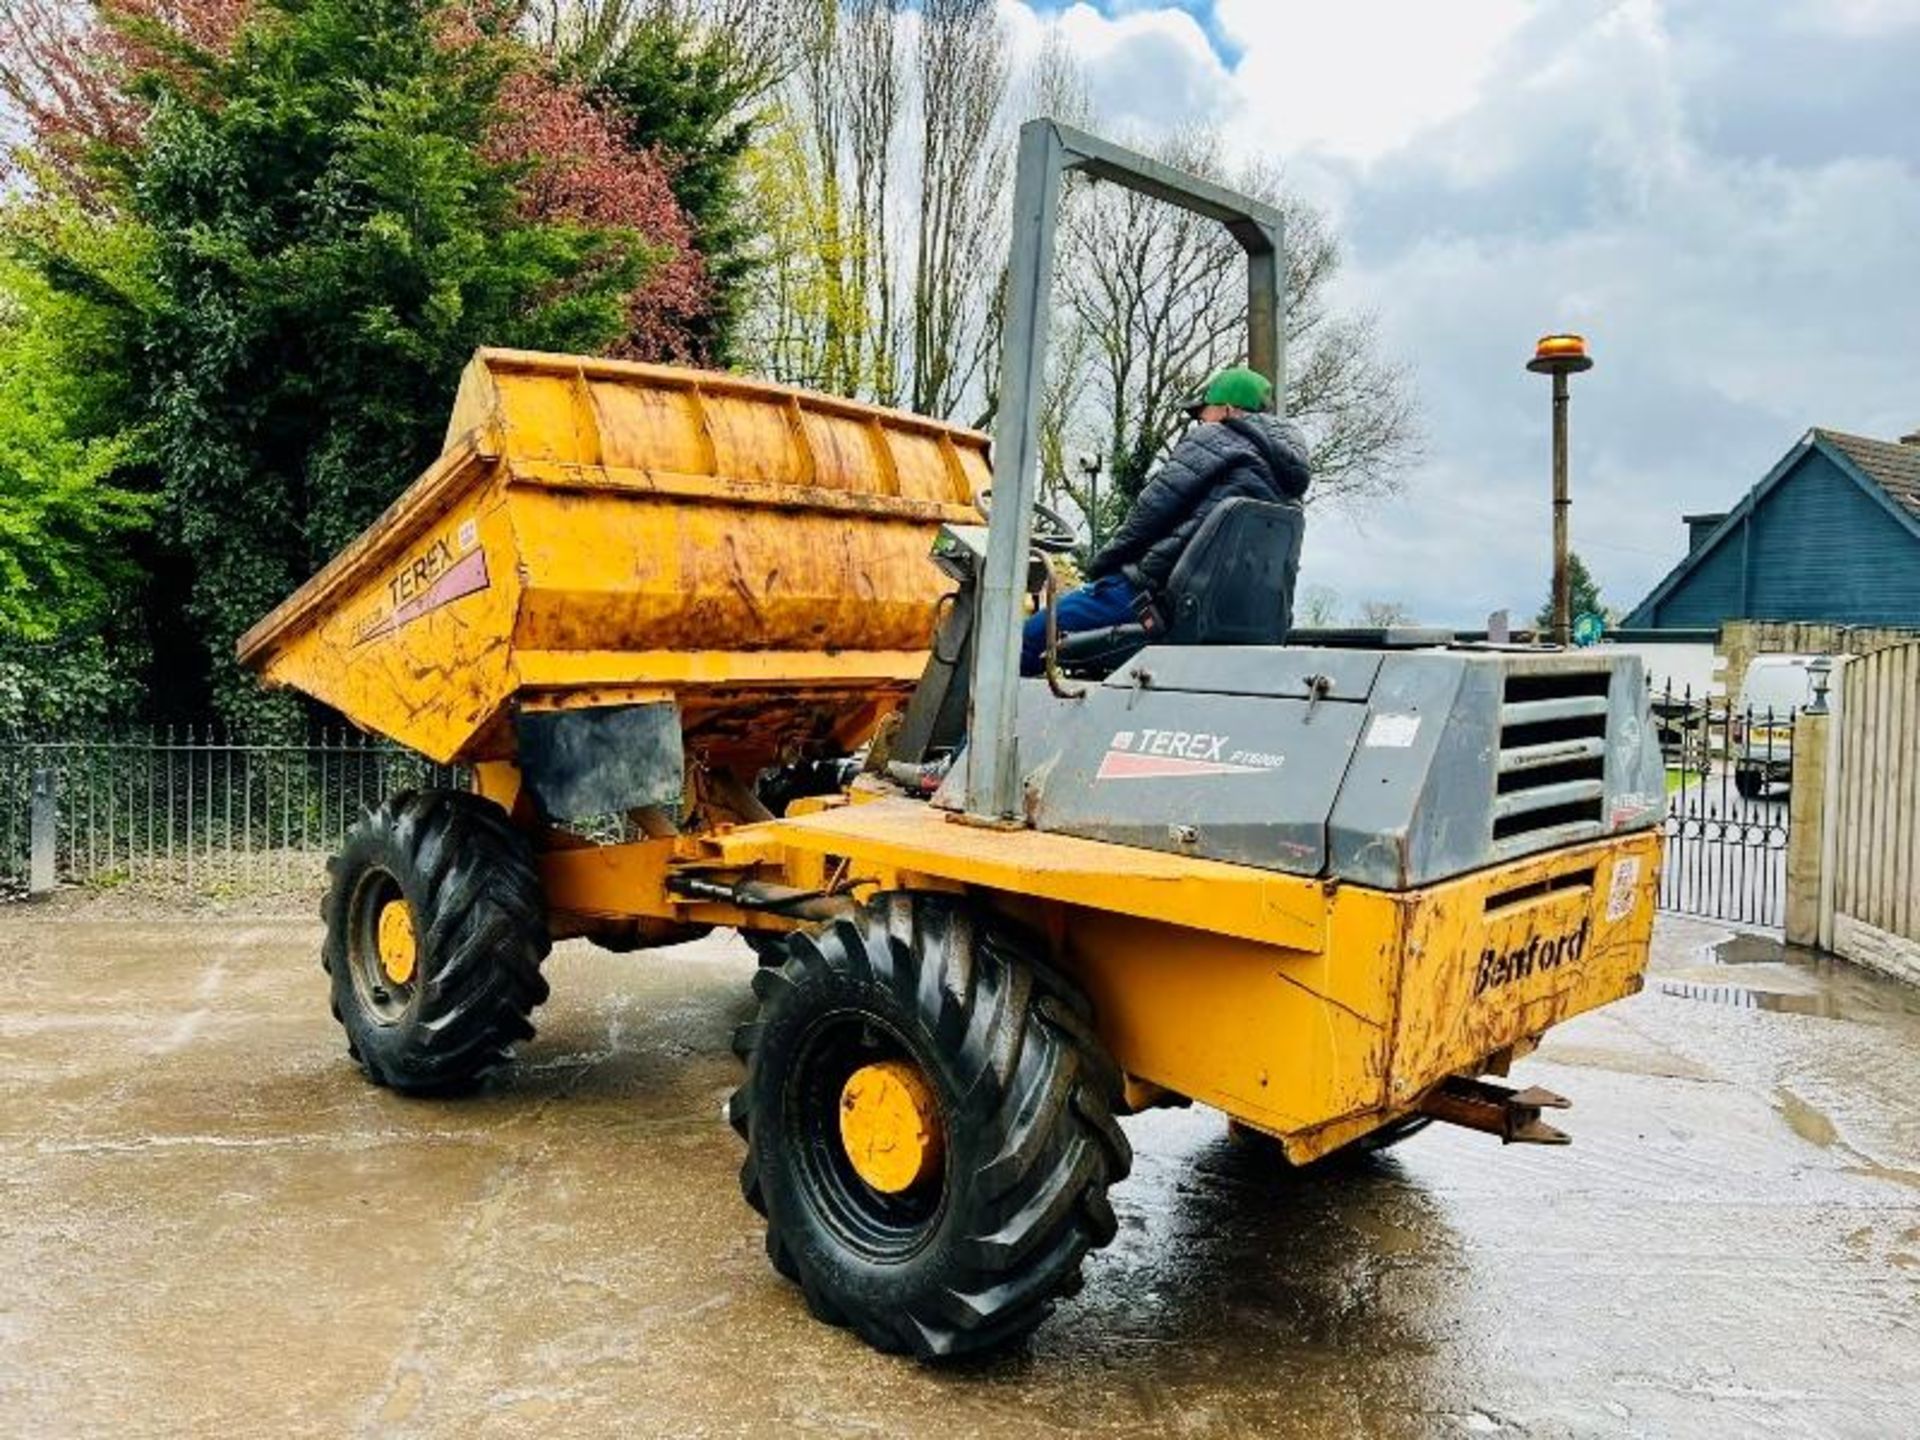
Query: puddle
x,y
1805,1121
1823,1005
1801,982
1759,950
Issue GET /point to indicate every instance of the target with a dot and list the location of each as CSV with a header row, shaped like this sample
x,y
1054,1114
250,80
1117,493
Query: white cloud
x,y
1147,66
1733,300
1861,17
1726,197
1352,80
1358,78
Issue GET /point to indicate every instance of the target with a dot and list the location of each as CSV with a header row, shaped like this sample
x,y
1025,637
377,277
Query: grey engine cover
x,y
1391,769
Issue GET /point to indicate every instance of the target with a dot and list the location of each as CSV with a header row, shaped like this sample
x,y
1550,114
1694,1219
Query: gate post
x,y
1806,824
41,816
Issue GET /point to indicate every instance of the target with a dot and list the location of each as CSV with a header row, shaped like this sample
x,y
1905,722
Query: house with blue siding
x,y
1830,536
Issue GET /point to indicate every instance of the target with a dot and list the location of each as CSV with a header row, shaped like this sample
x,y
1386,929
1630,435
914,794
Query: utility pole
x,y
1090,467
1560,356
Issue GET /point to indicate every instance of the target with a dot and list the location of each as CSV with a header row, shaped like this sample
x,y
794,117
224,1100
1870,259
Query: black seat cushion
x,y
1232,586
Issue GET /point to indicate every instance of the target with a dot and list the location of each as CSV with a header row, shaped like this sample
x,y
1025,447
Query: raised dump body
x,y
608,536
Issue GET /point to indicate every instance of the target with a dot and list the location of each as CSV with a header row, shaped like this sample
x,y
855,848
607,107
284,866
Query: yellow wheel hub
x,y
398,952
890,1126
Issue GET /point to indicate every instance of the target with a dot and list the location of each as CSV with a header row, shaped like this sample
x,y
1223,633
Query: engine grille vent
x,y
1553,758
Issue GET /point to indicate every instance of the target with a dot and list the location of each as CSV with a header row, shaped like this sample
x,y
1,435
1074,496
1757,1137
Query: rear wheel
x,y
435,934
929,1125
1750,783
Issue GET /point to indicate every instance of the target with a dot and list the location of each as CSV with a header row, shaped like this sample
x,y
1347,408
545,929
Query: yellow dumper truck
x,y
697,637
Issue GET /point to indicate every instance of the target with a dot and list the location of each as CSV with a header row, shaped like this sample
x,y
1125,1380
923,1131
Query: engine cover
x,y
1388,769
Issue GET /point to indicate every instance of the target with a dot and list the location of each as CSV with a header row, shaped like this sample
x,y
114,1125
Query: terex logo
x,y
1536,957
1162,754
431,578
421,571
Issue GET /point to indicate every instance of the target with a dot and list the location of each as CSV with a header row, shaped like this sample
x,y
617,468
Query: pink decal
x,y
463,577
1119,765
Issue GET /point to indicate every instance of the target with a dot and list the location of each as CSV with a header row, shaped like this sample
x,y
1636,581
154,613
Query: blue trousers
x,y
1107,601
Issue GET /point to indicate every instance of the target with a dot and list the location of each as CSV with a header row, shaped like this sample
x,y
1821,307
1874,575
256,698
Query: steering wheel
x,y
1052,535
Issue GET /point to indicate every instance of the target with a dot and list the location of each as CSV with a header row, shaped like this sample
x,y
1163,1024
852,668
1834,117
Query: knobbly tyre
x,y
1327,888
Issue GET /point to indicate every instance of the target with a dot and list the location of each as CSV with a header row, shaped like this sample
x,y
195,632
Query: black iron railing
x,y
192,810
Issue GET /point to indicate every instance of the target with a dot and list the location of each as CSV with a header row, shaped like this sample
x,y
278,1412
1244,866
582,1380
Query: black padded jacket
x,y
1258,456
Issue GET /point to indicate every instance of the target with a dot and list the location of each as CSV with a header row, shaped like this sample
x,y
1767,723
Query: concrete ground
x,y
209,1225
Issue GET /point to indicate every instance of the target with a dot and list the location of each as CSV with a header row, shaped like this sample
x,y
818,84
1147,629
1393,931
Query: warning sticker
x,y
1624,891
1392,732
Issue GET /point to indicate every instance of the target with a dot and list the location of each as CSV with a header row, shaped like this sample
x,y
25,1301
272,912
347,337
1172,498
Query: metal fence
x,y
1728,776
195,812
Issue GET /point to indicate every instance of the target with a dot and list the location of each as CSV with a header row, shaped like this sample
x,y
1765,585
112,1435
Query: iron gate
x,y
1729,772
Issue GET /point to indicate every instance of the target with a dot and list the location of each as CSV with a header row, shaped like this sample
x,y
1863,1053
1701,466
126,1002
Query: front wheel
x,y
435,934
930,1127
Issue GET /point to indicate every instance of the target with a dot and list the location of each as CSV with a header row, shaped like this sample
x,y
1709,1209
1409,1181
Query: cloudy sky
x,y
1723,195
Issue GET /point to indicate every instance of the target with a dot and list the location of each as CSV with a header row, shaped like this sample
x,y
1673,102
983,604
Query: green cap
x,y
1239,387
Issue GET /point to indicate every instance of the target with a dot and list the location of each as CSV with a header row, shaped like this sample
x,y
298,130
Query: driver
x,y
1238,447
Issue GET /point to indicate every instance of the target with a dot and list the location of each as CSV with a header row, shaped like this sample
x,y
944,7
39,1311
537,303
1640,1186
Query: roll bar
x,y
1048,150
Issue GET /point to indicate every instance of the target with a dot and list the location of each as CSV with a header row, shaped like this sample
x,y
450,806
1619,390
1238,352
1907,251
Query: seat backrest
x,y
1233,585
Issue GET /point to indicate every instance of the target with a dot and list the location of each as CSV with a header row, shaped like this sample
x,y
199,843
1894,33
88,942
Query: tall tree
x,y
65,514
329,254
1149,299
579,169
1583,593
331,209
870,64
70,71
891,175
1160,294
963,177
76,499
692,84
798,307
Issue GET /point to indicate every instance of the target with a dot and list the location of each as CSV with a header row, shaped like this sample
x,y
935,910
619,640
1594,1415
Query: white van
x,y
1776,688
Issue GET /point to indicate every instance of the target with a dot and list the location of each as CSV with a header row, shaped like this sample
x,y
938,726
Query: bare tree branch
x,y
1149,299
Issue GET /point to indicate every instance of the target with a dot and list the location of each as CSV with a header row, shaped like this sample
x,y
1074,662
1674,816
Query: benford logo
x,y
1163,754
1537,956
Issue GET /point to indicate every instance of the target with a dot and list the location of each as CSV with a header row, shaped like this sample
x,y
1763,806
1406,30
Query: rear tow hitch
x,y
1513,1115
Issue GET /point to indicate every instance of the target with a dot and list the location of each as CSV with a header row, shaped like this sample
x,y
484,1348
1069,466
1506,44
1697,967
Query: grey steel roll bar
x,y
1048,150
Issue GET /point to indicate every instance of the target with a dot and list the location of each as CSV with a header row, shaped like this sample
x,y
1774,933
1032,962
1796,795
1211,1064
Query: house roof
x,y
1887,470
1890,464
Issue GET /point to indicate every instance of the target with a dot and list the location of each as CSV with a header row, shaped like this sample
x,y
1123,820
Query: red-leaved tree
x,y
68,71
581,169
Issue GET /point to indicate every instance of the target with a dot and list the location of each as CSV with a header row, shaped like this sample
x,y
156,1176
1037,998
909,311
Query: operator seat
x,y
1233,585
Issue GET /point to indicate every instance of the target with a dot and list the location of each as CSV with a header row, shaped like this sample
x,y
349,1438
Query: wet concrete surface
x,y
210,1225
